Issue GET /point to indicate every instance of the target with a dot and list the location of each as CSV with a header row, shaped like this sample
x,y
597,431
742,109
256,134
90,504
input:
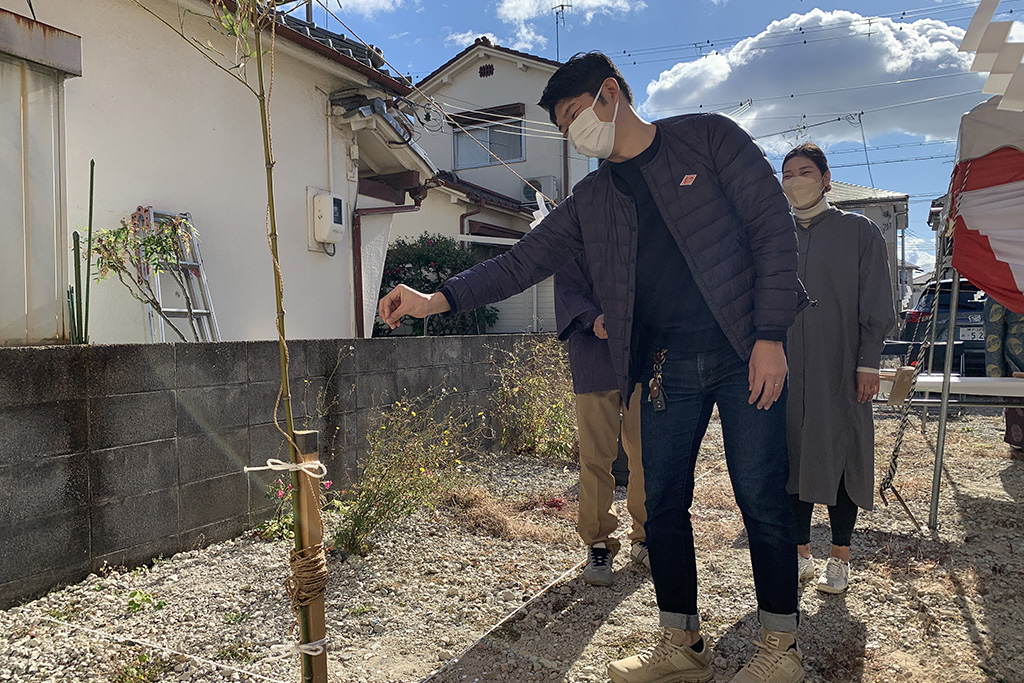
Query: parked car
x,y
969,339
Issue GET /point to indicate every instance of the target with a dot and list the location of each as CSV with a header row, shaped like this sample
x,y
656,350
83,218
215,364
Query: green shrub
x,y
534,403
424,264
414,451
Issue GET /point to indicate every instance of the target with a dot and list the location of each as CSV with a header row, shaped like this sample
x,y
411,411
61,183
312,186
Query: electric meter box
x,y
329,218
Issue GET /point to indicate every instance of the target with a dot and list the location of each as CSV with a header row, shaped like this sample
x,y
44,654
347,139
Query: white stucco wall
x,y
513,81
167,129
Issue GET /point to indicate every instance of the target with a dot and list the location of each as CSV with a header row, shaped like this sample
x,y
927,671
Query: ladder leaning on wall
x,y
193,276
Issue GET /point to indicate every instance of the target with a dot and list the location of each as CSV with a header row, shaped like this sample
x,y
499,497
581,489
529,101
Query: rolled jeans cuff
x,y
772,621
686,622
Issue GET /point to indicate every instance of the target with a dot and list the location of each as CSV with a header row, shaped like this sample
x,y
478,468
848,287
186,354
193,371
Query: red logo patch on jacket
x,y
688,180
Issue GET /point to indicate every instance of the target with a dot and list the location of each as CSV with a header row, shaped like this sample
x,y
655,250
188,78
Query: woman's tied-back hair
x,y
583,73
810,151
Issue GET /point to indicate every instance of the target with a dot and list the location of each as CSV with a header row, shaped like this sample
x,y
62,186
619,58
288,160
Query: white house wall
x,y
168,129
468,91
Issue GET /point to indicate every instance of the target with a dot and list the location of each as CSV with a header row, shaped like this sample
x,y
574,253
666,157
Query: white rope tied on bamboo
x,y
314,468
312,649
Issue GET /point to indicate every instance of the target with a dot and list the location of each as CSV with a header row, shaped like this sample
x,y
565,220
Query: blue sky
x,y
885,75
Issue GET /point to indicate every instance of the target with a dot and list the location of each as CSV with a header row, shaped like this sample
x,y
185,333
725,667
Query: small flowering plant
x,y
281,524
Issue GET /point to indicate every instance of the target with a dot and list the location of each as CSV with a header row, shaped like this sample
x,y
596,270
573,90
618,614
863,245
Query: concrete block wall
x,y
120,454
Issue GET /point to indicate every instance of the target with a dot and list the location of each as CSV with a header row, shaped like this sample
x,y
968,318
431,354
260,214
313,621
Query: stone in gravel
x,y
507,595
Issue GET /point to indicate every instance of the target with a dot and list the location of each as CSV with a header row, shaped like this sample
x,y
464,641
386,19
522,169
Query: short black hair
x,y
812,153
583,73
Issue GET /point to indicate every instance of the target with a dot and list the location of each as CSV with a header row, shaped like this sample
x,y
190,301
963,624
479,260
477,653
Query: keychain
x,y
657,395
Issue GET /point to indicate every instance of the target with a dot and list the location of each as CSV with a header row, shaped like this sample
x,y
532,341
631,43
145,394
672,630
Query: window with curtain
x,y
33,257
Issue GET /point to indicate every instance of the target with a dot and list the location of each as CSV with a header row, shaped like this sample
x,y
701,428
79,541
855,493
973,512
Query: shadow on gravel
x,y
523,647
995,544
832,639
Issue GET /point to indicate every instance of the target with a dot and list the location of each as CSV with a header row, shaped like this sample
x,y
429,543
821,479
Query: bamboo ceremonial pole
x,y
286,396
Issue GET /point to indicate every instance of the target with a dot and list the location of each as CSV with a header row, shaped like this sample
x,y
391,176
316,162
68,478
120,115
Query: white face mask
x,y
591,136
803,192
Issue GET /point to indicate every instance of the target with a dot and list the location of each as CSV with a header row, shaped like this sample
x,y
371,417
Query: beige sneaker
x,y
836,577
638,552
667,662
778,660
804,568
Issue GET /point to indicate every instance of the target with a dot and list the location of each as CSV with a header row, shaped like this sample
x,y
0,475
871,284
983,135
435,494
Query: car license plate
x,y
971,333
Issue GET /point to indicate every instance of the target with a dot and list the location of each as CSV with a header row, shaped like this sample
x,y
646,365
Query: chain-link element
x,y
947,254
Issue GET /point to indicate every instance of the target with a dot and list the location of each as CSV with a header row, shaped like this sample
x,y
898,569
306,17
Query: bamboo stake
x,y
313,535
286,397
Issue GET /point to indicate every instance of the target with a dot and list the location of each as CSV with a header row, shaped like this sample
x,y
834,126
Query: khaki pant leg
x,y
597,417
631,444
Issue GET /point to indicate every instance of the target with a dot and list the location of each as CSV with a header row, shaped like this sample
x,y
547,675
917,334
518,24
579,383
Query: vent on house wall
x,y
546,184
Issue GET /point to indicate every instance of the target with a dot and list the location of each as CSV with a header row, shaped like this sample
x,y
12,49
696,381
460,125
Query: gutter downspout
x,y
480,204
357,248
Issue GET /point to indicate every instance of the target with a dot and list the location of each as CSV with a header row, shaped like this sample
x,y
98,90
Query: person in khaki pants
x,y
598,408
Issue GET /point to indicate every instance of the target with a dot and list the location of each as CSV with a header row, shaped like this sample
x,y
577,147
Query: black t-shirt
x,y
669,311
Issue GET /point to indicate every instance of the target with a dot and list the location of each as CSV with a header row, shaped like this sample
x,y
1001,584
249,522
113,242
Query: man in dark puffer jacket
x,y
693,254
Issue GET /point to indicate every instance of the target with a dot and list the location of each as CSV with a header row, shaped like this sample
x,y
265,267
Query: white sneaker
x,y
804,567
835,578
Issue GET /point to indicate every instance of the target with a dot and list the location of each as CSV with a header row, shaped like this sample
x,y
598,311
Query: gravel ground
x,y
430,602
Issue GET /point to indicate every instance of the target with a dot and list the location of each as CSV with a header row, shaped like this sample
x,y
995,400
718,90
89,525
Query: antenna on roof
x,y
309,11
559,19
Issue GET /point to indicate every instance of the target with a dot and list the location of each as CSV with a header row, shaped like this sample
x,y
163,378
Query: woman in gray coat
x,y
834,351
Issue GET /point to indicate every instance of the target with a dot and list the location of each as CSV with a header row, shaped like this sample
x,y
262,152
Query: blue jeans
x,y
756,455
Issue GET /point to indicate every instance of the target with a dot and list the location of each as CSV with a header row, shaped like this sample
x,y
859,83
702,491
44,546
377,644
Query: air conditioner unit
x,y
546,184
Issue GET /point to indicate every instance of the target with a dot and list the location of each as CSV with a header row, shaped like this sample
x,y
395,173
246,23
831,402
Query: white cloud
x,y
526,10
466,38
398,36
829,51
520,14
369,8
921,251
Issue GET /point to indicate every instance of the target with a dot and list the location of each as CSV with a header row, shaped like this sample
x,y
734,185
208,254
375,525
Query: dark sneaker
x,y
598,571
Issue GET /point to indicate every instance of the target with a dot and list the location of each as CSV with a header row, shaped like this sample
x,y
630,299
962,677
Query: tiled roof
x,y
847,193
340,48
478,192
485,42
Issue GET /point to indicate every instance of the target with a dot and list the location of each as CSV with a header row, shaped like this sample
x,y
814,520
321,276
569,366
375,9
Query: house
x,y
169,130
888,210
488,94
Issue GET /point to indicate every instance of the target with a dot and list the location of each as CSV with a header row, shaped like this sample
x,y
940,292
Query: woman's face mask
x,y
591,136
803,192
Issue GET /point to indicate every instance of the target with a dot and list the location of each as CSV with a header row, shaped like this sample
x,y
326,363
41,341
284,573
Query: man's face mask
x,y
591,136
803,192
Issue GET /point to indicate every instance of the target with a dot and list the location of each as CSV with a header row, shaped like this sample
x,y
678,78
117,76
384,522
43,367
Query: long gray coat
x,y
845,269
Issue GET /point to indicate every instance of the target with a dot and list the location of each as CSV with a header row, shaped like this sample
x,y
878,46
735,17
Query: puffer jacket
x,y
725,208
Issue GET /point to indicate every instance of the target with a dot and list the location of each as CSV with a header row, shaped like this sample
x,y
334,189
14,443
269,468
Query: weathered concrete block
x,y
266,442
42,430
43,486
44,543
18,590
129,369
213,533
132,470
213,501
211,363
376,390
139,555
326,357
41,374
264,360
128,522
130,419
210,409
207,455
376,355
